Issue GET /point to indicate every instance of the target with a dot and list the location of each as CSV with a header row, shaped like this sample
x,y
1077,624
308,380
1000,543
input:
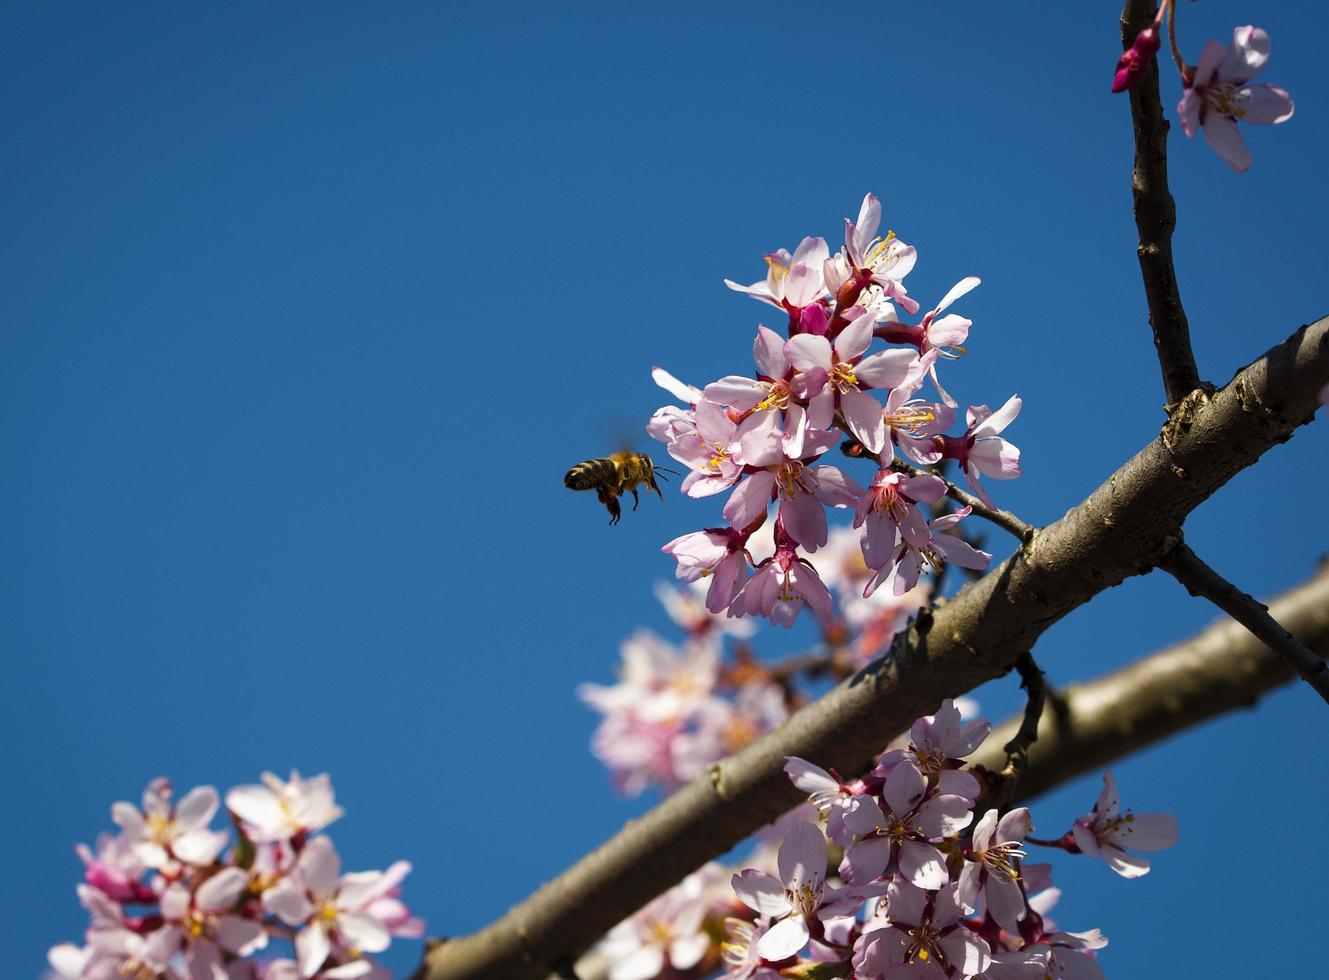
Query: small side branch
x,y
1004,519
1155,219
1201,580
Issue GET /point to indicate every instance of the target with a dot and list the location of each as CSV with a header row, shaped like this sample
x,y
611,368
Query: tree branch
x,y
1090,725
1201,580
1155,219
1124,528
1222,669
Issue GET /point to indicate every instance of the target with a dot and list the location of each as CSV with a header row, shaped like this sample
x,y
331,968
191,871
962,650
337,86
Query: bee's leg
x,y
635,499
611,504
654,486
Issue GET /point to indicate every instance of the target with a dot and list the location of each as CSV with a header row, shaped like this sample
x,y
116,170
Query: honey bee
x,y
610,476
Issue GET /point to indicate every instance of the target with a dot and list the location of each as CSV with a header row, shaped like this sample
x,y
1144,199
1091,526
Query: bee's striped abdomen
x,y
591,475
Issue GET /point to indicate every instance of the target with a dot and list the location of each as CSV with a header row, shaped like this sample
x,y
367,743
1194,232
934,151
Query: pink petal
x,y
1005,903
802,857
1126,865
1221,133
854,339
1262,105
319,866
922,865
1210,59
1246,55
1188,111
761,892
363,932
768,352
904,787
805,519
749,499
862,413
886,369
784,939
865,860
742,393
197,808
808,351
220,891
311,948
1148,831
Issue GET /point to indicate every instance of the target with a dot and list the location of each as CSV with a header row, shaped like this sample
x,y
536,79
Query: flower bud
x,y
1132,64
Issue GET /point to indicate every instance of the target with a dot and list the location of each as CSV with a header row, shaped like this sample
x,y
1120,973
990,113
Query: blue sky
x,y
308,308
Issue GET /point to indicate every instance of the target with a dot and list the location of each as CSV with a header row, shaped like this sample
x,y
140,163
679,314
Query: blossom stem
x,y
1182,67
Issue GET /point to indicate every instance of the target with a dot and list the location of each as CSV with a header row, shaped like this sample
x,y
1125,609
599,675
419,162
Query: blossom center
x,y
1226,99
787,476
843,378
923,946
882,253
160,829
804,899
777,396
719,455
911,418
1000,860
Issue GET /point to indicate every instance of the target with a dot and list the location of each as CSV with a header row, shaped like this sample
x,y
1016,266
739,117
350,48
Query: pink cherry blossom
x,y
1217,95
686,606
940,336
903,833
992,876
769,391
739,951
1107,832
889,510
720,727
708,450
202,924
279,809
799,899
332,911
164,832
667,933
783,584
792,281
905,563
919,937
981,450
835,376
717,553
115,869
868,259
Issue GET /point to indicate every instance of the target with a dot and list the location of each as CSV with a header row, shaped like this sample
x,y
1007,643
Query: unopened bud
x,y
1132,64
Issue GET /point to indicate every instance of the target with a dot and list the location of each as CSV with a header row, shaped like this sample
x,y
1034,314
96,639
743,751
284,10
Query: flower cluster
x,y
762,438
165,901
1217,92
930,882
676,708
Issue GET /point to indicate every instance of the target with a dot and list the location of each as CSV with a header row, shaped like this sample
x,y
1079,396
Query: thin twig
x,y
1224,668
1017,749
1201,580
1155,219
1004,519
